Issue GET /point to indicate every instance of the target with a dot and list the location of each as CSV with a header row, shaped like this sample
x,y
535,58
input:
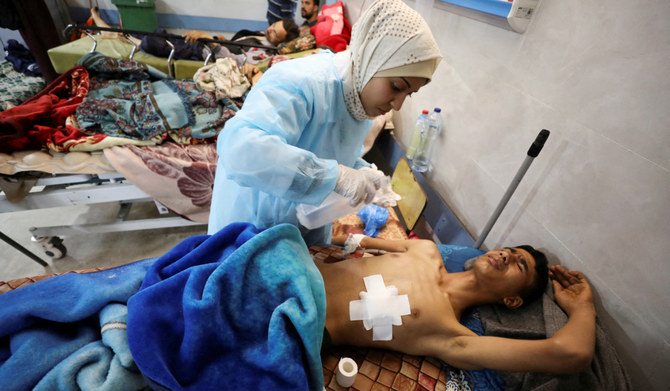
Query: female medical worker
x,y
299,135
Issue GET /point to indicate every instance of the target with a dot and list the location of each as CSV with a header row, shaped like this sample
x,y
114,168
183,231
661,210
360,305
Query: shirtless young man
x,y
438,298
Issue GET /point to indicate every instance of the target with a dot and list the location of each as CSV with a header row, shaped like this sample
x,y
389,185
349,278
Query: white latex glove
x,y
358,185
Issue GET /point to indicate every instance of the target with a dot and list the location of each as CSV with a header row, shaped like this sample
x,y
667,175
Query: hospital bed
x,y
376,367
75,166
65,56
40,179
45,178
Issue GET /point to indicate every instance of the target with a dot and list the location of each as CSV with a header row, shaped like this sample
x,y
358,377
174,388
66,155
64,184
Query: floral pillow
x,y
305,41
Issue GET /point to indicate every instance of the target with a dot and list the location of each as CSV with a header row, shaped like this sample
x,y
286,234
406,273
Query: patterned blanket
x,y
103,102
131,100
15,87
176,175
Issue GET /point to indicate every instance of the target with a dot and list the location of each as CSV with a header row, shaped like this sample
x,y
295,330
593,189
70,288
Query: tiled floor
x,y
384,370
88,250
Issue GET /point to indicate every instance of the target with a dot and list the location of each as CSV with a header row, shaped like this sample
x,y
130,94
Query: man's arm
x,y
191,37
252,73
569,350
395,246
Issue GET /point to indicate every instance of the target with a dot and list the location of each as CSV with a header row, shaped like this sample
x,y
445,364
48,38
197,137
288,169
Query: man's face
x,y
275,33
505,271
308,9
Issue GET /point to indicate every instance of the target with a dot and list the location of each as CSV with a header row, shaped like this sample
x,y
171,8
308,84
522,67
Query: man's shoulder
x,y
425,247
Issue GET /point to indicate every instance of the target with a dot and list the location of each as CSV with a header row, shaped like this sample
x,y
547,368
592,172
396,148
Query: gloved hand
x,y
358,185
385,196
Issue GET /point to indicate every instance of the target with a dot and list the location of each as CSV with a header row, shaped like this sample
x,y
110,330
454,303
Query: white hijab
x,y
388,35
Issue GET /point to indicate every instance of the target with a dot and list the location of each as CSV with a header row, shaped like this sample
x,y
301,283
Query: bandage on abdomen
x,y
380,308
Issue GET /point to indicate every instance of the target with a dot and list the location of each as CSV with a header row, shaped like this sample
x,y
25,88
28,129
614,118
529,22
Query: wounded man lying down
x,y
438,298
247,309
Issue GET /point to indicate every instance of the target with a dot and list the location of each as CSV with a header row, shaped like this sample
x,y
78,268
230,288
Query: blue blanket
x,y
51,333
240,309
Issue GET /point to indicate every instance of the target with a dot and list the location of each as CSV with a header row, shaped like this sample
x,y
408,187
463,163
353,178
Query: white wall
x,y
597,199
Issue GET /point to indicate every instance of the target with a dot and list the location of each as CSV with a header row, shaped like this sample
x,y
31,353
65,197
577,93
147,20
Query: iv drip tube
x,y
533,151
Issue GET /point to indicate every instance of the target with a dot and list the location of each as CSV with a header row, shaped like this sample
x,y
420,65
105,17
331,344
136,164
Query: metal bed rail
x,y
78,189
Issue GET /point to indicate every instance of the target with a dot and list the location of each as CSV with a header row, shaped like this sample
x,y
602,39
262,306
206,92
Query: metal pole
x,y
24,250
533,151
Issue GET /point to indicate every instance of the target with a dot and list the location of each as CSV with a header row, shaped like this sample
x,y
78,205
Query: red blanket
x,y
41,119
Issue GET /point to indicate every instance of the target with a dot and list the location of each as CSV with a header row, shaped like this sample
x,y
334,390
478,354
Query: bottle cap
x,y
424,112
437,109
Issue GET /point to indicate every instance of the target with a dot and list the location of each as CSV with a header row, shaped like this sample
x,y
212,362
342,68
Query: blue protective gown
x,y
284,146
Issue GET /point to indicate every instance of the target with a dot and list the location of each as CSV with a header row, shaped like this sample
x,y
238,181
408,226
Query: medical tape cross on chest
x,y
380,308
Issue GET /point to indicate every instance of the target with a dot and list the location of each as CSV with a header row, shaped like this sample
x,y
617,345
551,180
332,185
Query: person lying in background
x,y
282,31
509,276
190,48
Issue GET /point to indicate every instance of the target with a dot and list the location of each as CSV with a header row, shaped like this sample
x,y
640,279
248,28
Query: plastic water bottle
x,y
434,126
416,135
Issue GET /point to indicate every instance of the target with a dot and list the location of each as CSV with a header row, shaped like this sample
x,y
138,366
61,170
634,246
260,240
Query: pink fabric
x,y
330,20
179,176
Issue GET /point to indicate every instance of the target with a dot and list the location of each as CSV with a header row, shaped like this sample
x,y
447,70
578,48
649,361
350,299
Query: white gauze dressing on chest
x,y
380,308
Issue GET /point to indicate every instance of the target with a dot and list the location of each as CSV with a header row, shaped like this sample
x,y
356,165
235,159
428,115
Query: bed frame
x,y
77,189
65,56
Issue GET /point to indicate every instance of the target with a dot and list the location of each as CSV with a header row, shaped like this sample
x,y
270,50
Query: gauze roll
x,y
385,196
347,369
